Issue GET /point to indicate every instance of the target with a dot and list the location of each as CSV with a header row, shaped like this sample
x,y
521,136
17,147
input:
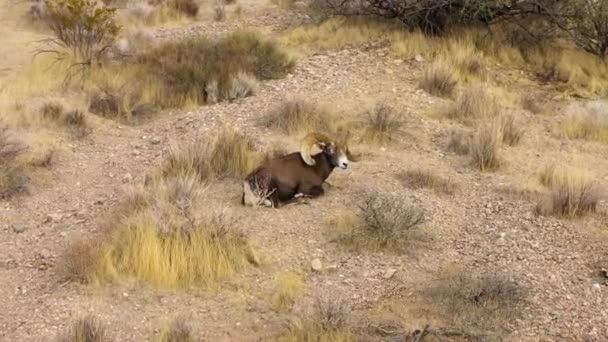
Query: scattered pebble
x,y
316,265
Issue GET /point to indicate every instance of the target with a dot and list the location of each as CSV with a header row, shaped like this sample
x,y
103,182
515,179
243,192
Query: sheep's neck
x,y
323,166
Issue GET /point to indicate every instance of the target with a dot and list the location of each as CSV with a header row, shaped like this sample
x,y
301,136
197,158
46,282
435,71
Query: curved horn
x,y
310,141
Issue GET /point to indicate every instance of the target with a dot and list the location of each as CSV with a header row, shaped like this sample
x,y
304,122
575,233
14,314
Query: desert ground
x,y
489,255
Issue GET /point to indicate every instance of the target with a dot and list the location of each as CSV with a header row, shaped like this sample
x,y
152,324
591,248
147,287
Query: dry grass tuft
x,y
327,323
465,301
79,259
243,85
418,178
572,193
298,115
188,7
85,330
512,132
165,235
74,121
199,71
288,286
459,142
385,222
474,104
229,155
531,103
439,79
592,125
12,177
219,10
177,331
484,147
383,123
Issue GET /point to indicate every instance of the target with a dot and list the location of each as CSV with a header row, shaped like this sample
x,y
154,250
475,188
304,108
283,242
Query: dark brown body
x,y
284,177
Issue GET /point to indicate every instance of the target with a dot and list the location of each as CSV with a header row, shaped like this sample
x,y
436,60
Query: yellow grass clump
x,y
572,192
288,286
85,330
166,235
295,115
177,331
588,126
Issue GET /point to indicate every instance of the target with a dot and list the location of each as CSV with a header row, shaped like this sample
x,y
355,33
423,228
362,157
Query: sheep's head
x,y
336,149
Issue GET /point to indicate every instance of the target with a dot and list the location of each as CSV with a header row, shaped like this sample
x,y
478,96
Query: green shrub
x,y
82,27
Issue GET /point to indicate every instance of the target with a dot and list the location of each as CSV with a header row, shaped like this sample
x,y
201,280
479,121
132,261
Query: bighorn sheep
x,y
299,174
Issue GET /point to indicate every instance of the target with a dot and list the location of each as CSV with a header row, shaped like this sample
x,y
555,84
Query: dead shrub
x,y
467,301
202,71
298,115
87,329
383,123
78,260
177,331
187,7
12,175
105,105
512,132
419,178
458,142
474,104
384,222
75,121
439,79
243,85
52,111
571,193
219,10
530,103
484,147
327,322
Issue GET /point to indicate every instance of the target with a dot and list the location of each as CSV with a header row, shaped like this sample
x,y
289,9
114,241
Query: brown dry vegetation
x,y
87,329
12,179
419,178
572,192
328,322
484,146
298,115
177,331
479,303
383,124
288,286
439,79
384,222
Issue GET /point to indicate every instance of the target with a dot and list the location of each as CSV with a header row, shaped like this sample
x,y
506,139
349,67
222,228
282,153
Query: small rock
x,y
316,265
389,273
127,178
597,286
418,58
388,71
18,228
397,61
53,218
155,140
